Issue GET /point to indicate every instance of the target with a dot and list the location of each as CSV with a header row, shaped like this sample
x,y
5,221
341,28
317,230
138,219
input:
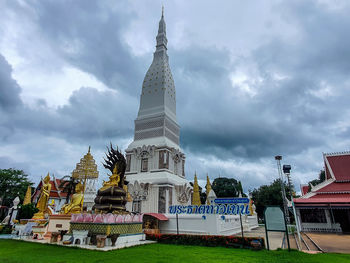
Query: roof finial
x,y
162,11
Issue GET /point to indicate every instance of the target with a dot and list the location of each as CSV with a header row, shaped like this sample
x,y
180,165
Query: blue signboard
x,y
228,206
239,200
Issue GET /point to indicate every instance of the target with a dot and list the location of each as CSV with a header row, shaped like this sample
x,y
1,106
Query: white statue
x,y
12,213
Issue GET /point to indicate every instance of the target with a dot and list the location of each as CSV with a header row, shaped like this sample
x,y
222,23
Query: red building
x,y
57,197
327,206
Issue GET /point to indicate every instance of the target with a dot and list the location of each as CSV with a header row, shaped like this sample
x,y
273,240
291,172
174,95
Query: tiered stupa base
x,y
110,199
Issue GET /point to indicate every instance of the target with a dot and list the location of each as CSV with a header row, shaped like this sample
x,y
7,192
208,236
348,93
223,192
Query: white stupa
x,y
155,162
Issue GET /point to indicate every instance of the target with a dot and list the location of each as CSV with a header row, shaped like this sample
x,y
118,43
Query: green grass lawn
x,y
19,251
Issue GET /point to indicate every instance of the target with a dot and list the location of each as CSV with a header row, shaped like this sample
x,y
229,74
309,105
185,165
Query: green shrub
x,y
205,240
27,211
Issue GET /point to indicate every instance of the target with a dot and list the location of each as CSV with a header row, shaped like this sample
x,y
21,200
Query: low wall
x,y
207,224
321,227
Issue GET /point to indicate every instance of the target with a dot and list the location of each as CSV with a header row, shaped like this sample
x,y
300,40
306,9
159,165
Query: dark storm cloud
x,y
89,115
88,35
286,115
297,98
9,89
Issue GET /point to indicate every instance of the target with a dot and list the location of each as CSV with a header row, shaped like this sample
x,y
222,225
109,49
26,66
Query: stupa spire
x,y
196,200
28,196
208,188
162,41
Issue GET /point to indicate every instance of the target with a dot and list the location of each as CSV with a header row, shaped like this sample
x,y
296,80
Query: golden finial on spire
x,y
208,188
28,196
196,199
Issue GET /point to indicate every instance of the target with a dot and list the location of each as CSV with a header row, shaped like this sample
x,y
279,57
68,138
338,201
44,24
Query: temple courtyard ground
x,y
15,251
338,243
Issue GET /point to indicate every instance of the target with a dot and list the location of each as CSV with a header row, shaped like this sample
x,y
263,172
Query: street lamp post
x,y
278,158
286,171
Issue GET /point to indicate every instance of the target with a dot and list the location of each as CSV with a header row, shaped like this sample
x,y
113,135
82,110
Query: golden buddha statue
x,y
44,198
111,197
114,179
76,203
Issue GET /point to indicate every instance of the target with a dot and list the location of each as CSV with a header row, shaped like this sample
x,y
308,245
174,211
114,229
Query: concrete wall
x,y
207,224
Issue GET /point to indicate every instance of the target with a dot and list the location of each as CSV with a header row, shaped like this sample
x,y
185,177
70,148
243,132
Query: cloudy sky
x,y
254,79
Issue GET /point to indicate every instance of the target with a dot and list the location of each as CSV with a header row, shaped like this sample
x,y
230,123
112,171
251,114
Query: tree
x,y
268,195
67,185
226,187
321,178
27,211
13,183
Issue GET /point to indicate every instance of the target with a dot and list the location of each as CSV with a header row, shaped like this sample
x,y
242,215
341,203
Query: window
x,y
163,159
128,163
161,200
144,165
136,206
314,215
183,168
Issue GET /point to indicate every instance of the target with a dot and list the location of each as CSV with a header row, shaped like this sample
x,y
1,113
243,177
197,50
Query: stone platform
x,y
122,242
108,229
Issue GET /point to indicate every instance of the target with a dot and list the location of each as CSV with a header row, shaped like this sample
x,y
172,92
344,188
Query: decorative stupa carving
x,y
196,200
111,197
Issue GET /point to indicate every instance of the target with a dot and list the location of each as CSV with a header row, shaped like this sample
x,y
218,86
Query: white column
x,y
166,200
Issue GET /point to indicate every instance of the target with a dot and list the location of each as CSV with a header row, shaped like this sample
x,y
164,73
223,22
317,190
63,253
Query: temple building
x,y
327,206
155,162
57,197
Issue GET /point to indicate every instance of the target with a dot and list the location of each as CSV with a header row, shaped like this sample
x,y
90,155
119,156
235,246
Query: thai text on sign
x,y
228,206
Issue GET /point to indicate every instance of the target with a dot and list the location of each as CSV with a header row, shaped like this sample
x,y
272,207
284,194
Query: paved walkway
x,y
275,238
337,243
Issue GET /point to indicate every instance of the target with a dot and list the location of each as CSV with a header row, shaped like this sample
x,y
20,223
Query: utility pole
x,y
286,171
278,158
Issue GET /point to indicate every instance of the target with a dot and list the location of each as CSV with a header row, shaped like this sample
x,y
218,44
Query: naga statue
x,y
76,204
111,197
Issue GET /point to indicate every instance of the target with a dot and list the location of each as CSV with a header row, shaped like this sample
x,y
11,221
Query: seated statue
x,y
114,179
76,204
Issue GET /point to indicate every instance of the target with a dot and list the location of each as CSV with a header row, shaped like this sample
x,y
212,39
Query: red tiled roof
x,y
304,189
324,199
328,174
335,187
340,165
160,217
54,193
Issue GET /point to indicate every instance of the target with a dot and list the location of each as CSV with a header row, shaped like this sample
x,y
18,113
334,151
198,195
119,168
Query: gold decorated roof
x,y
86,168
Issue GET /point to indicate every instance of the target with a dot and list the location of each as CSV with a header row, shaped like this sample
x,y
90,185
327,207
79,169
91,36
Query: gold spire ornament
x,y
28,196
86,168
196,200
208,188
43,199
